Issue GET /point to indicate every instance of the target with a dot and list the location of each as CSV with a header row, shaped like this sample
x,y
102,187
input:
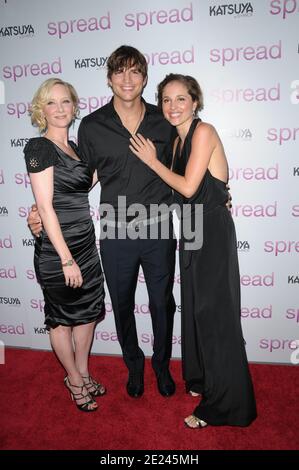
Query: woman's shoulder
x,y
38,144
39,154
205,127
205,131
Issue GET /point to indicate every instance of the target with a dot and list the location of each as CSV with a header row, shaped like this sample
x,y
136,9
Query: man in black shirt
x,y
103,139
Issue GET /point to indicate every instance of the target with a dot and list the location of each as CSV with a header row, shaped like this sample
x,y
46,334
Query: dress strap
x,y
194,124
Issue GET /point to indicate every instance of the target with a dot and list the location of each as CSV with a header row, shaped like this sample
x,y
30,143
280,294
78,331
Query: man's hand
x,y
34,221
229,200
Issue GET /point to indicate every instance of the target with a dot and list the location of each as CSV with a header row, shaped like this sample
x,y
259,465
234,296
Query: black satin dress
x,y
213,351
72,179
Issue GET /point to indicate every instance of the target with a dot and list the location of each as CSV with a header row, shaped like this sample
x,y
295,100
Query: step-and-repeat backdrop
x,y
245,56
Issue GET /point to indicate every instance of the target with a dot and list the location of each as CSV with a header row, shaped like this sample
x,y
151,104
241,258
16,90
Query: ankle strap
x,y
67,382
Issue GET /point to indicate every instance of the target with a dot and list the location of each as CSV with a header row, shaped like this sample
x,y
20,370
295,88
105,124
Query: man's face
x,y
127,84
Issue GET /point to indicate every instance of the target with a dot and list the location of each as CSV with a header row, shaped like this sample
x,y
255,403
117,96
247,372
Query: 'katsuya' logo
x,y
235,9
90,62
24,30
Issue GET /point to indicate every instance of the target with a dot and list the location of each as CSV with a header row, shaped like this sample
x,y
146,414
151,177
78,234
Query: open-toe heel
x,y
81,395
94,388
194,394
198,423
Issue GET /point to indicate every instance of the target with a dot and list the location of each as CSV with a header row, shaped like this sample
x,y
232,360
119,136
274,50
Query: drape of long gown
x,y
213,349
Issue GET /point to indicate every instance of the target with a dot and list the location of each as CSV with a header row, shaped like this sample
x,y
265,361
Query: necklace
x,y
139,119
65,148
60,144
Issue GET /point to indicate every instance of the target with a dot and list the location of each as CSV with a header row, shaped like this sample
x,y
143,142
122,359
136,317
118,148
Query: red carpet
x,y
37,413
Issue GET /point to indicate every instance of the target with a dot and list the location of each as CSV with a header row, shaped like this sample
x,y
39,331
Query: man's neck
x,y
127,108
130,113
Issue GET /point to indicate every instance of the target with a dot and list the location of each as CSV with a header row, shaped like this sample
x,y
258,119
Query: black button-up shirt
x,y
104,144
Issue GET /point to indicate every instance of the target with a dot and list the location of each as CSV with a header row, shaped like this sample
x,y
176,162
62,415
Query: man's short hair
x,y
126,57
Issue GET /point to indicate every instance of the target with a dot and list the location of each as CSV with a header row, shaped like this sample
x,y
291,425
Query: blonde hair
x,y
41,97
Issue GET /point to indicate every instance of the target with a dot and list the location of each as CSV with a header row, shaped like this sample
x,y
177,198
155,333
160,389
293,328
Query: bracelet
x,y
69,262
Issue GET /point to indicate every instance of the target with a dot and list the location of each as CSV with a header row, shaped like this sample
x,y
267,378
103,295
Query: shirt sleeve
x,y
85,147
39,155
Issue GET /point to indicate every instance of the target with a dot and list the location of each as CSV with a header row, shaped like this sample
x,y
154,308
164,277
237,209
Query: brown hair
x,y
41,97
125,57
190,83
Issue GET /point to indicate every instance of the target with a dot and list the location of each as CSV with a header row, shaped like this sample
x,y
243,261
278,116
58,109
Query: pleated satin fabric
x,y
72,180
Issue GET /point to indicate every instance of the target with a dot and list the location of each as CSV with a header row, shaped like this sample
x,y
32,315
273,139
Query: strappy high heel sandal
x,y
80,396
94,388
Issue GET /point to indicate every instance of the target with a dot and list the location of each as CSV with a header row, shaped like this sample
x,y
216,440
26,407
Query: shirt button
x,y
137,228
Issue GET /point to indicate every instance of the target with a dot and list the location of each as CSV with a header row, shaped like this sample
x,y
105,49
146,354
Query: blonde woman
x,y
66,260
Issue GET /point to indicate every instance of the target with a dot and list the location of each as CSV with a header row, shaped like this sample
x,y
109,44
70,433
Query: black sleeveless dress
x,y
72,180
213,352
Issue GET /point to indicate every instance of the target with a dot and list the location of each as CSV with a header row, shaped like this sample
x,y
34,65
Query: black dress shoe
x,y
165,383
135,386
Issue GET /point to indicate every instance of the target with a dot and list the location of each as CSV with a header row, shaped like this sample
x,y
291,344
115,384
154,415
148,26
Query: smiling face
x,y
59,107
127,84
177,104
